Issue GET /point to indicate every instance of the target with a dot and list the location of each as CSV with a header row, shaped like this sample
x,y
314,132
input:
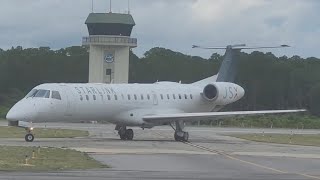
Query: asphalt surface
x,y
153,154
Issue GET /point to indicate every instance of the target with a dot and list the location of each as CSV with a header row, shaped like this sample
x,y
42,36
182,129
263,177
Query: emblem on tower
x,y
109,58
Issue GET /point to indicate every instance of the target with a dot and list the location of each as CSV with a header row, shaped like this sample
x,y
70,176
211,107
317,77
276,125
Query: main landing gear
x,y
179,134
124,133
29,137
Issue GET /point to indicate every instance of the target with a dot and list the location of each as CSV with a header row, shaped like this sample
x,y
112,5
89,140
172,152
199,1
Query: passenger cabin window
x,y
168,97
148,96
141,96
179,96
161,96
42,93
115,97
190,96
87,97
94,97
109,97
56,95
174,96
185,96
129,97
135,97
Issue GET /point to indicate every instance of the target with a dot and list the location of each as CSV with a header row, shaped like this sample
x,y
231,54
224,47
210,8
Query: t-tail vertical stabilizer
x,y
228,69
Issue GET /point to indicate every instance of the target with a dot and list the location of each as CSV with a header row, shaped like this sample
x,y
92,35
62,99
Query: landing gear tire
x,y
176,137
125,134
129,134
181,136
123,137
29,137
185,136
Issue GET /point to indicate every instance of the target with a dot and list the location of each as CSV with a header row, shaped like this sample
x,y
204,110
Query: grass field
x,y
297,139
15,132
45,159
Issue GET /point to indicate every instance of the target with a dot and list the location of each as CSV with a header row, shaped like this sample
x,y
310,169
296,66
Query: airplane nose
x,y
20,112
10,115
14,115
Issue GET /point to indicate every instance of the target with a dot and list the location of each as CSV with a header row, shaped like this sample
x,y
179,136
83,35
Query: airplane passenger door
x,y
67,96
154,98
68,109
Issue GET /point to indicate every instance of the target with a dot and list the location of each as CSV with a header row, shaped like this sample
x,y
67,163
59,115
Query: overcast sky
x,y
174,24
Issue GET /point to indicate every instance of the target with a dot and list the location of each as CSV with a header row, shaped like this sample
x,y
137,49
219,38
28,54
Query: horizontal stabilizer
x,y
240,46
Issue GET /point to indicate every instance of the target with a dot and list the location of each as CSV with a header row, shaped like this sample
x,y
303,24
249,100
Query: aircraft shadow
x,y
217,141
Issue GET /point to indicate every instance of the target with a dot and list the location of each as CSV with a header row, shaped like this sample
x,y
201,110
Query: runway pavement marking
x,y
307,175
247,162
277,154
234,158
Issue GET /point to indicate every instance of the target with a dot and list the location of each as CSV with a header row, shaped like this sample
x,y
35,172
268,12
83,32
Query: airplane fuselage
x,y
121,104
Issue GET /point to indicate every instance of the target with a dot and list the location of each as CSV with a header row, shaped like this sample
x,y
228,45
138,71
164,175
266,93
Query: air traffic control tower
x,y
109,42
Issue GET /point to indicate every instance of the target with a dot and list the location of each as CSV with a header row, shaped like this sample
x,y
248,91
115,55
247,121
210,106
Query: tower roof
x,y
110,18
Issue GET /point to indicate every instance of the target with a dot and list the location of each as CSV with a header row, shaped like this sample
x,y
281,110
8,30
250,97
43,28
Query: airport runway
x,y
154,155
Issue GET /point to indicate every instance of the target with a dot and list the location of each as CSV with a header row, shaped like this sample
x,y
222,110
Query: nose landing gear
x,y
29,137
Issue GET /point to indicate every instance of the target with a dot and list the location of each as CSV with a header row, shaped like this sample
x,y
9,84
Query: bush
x,y
315,100
8,99
296,121
3,111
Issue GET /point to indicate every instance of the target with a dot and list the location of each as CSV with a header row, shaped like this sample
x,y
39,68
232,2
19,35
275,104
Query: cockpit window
x,y
56,95
41,93
32,93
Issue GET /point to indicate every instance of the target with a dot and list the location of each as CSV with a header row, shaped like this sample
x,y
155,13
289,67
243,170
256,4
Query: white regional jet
x,y
142,105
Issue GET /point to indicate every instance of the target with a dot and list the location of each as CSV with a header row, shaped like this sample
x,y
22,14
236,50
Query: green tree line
x,y
270,82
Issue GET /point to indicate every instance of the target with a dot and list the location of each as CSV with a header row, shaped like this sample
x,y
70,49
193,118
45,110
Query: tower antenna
x,y
92,6
128,6
110,6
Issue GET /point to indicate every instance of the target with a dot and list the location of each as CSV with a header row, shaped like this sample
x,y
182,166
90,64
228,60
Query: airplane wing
x,y
166,118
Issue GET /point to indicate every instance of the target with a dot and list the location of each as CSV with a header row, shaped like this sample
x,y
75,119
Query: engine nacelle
x,y
222,93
